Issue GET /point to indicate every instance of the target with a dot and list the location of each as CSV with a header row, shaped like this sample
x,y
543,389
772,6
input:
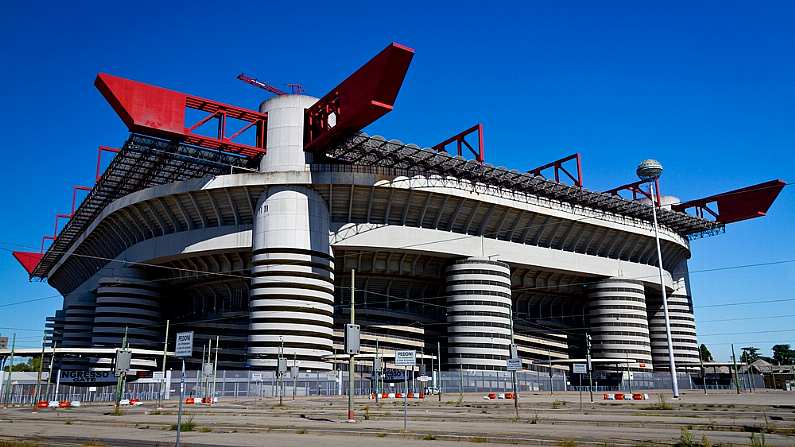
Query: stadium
x,y
250,225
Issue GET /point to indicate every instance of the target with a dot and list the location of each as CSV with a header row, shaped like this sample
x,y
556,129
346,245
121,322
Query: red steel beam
x,y
366,95
460,140
737,205
154,110
100,150
636,190
558,166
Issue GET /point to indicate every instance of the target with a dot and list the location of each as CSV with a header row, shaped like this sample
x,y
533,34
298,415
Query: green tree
x,y
705,354
783,354
750,354
31,365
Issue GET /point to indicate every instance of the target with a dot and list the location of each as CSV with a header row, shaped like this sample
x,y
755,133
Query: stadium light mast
x,y
650,171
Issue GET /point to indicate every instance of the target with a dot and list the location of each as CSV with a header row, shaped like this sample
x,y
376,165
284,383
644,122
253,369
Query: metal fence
x,y
265,384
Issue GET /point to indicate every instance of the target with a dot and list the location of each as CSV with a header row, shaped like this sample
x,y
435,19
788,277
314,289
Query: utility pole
x,y
279,366
163,380
120,380
295,376
588,364
439,369
515,355
215,369
49,374
8,393
549,367
38,376
736,376
351,366
703,372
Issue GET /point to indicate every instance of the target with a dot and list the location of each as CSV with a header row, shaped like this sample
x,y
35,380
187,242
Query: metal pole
x,y
671,362
38,376
215,368
295,377
439,369
162,381
405,398
736,376
461,384
588,364
549,367
351,366
8,394
120,379
181,399
377,373
49,373
280,387
703,372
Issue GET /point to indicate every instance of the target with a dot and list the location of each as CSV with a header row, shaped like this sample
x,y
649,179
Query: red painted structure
x,y
366,95
100,150
636,189
263,85
28,260
558,167
157,111
739,204
460,140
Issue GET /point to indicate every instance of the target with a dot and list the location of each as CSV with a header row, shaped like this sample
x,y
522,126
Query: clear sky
x,y
708,88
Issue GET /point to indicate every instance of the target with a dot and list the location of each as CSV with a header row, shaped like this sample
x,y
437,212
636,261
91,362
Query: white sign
x,y
184,346
257,377
424,379
514,364
158,375
78,376
579,368
405,358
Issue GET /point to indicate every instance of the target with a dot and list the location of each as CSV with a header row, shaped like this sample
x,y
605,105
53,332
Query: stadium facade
x,y
255,241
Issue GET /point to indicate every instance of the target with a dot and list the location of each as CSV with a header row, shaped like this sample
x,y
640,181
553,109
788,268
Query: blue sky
x,y
707,89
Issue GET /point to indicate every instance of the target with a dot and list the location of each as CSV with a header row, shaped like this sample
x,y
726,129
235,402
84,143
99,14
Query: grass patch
x,y
205,429
567,443
686,438
93,444
18,444
301,431
380,435
661,404
478,439
557,404
429,437
188,425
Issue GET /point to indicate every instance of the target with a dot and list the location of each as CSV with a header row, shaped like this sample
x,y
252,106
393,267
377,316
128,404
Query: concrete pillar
x,y
617,316
128,300
478,314
683,324
292,289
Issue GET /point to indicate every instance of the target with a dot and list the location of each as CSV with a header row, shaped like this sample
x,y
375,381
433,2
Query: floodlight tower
x,y
649,171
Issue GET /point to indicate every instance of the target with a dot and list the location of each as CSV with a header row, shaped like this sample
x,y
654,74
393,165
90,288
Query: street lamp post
x,y
650,171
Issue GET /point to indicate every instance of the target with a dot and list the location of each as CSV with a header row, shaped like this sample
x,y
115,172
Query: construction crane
x,y
296,89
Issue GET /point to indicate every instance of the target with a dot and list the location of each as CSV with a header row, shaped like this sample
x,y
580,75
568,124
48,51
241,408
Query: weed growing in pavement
x,y
188,425
380,435
18,444
660,405
429,437
568,443
705,442
758,440
557,404
205,429
686,438
301,431
478,439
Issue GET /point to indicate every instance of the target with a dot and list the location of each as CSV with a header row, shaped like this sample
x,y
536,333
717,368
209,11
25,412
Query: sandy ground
x,y
724,418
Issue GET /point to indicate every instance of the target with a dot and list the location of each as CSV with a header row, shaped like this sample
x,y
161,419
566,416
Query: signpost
x,y
579,368
183,349
405,359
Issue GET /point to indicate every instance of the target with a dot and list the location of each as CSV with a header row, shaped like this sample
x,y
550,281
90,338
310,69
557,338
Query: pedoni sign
x,y
405,358
184,345
79,376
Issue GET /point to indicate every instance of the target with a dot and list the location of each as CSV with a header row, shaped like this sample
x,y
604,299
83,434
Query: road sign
x,y
514,364
256,376
294,371
424,379
184,345
123,360
352,336
158,375
87,376
405,358
579,368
